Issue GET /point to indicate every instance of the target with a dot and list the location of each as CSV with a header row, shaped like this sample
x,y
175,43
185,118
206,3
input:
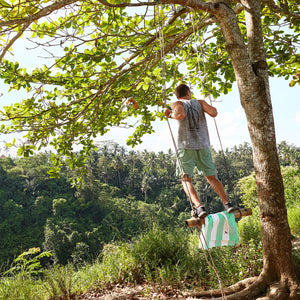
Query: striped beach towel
x,y
219,230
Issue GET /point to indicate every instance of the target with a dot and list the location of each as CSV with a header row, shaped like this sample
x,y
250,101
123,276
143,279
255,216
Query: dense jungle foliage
x,y
123,193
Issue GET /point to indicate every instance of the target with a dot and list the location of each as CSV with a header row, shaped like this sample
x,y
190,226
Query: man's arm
x,y
177,112
211,110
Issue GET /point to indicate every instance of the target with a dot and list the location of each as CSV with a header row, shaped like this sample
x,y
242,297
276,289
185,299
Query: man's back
x,y
193,131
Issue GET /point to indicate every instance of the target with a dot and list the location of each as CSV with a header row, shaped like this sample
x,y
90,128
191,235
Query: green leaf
x,y
4,4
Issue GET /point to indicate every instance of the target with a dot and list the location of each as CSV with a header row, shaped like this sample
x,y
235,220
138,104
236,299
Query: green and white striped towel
x,y
219,230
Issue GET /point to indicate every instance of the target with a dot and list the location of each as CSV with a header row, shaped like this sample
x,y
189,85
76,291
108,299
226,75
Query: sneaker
x,y
201,212
229,207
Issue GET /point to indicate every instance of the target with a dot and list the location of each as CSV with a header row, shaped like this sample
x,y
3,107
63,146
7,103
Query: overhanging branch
x,y
208,7
156,57
5,49
42,13
271,4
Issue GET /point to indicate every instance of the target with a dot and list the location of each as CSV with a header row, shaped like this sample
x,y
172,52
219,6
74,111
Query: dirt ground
x,y
133,292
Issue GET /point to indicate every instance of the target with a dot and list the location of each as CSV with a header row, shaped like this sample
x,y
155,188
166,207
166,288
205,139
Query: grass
x,y
20,287
157,256
294,219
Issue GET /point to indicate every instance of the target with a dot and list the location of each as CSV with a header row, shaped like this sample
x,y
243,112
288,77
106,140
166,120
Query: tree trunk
x,y
252,78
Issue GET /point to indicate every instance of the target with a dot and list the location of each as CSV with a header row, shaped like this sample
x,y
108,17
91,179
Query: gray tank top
x,y
192,130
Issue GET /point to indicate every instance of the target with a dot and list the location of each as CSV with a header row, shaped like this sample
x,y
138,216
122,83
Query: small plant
x,y
249,258
27,263
21,280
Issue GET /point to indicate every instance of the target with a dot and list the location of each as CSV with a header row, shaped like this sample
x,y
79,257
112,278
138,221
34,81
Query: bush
x,y
294,219
232,264
249,229
60,281
174,257
117,264
157,256
22,281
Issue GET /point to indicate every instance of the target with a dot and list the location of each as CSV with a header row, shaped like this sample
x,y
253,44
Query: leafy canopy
x,y
101,53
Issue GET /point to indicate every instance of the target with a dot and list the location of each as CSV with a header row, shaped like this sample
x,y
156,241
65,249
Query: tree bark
x,y
252,78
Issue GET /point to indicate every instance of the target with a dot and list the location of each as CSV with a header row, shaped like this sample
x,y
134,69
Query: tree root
x,y
248,288
280,291
252,288
277,291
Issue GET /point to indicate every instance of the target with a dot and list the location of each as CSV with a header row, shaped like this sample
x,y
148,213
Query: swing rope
x,y
196,33
162,53
212,264
162,56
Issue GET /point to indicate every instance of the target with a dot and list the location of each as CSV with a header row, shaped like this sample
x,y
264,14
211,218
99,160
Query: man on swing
x,y
193,145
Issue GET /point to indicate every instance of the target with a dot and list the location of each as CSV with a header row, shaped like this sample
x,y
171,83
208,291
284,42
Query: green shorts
x,y
200,158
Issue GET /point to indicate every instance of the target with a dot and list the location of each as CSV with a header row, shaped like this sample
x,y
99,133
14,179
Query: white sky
x,y
231,120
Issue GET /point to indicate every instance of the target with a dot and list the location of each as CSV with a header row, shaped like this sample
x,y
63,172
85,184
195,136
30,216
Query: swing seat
x,y
220,229
198,222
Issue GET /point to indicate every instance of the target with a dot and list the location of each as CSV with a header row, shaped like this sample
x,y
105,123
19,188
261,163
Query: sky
x,y
231,121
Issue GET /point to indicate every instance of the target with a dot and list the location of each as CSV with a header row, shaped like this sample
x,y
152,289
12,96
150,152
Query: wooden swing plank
x,y
198,222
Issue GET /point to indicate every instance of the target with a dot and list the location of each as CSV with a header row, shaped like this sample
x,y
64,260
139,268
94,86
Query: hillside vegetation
x,y
125,223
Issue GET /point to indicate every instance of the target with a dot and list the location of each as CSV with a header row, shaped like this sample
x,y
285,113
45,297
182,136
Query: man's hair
x,y
181,90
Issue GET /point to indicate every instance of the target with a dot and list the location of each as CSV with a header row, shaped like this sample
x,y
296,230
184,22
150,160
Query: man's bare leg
x,y
190,190
192,194
218,187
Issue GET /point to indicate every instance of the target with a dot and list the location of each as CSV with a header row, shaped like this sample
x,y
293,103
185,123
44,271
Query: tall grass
x,y
157,256
21,287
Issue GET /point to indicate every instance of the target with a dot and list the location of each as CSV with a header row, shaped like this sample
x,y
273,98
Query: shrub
x,y
154,255
22,281
249,229
294,219
232,264
249,259
157,256
174,257
117,264
28,263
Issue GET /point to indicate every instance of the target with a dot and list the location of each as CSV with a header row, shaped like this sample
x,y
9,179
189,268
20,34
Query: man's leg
x,y
192,194
190,190
218,187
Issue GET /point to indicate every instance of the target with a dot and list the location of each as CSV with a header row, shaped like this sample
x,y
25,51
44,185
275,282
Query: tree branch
x,y
13,40
254,30
147,62
105,3
42,13
156,57
208,7
271,4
